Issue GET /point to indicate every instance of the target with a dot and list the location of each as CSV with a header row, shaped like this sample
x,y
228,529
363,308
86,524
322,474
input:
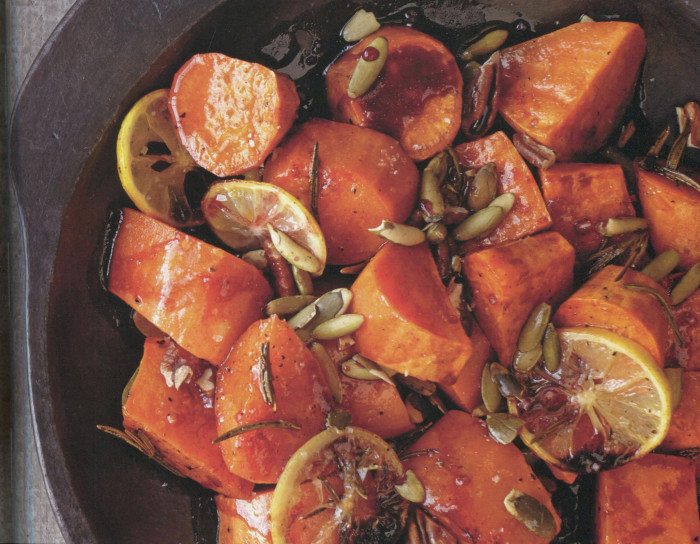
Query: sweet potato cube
x,y
199,295
180,422
604,302
568,89
684,432
650,501
245,521
529,213
579,196
410,325
467,475
673,212
466,391
299,396
509,281
687,316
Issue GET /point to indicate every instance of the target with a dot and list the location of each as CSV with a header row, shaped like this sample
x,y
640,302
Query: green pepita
x,y
360,25
482,189
329,370
524,361
367,71
256,258
331,304
397,233
288,305
533,329
531,513
675,378
662,265
412,489
490,393
551,348
480,224
293,253
436,233
508,385
687,285
622,225
503,428
338,326
504,201
484,45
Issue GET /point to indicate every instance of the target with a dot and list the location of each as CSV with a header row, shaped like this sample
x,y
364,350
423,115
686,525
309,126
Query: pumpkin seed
x,y
622,225
534,152
360,25
586,19
293,253
412,489
662,265
675,378
256,258
551,348
367,71
480,411
664,306
484,44
436,233
503,428
338,419
331,304
531,513
533,329
413,408
338,326
480,224
277,424
506,201
397,233
489,390
524,361
687,285
145,327
431,201
254,174
361,368
302,280
482,189
288,305
508,385
421,387
329,370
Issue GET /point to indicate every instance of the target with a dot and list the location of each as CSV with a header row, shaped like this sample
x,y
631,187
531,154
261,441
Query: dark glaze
x,y
414,74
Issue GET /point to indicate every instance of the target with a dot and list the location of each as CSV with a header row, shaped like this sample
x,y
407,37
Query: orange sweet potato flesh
x,y
687,316
684,432
606,303
466,391
180,423
509,281
467,476
417,97
568,89
301,395
673,212
199,295
245,521
229,113
529,213
410,325
650,501
363,177
579,196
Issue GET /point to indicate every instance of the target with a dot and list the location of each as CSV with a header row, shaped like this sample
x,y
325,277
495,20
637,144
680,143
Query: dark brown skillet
x,y
104,56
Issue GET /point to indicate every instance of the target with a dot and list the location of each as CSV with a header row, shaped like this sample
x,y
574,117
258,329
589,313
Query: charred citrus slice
x,y
239,213
607,403
340,487
153,164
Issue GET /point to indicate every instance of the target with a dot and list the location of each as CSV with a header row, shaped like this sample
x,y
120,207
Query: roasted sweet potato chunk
x,y
417,97
529,213
300,397
509,281
568,89
673,212
410,325
180,422
650,501
684,432
580,196
363,177
199,295
245,521
604,302
467,475
687,316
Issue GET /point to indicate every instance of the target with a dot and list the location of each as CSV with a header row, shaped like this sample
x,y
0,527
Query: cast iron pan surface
x,y
106,54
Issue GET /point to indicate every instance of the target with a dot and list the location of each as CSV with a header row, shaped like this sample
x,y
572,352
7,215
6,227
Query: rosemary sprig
x,y
266,388
664,305
280,424
313,181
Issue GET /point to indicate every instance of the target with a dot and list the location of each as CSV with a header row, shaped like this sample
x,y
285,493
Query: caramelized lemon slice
x,y
340,487
153,164
607,403
241,212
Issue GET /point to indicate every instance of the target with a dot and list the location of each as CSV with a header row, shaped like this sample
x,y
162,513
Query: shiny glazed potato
x,y
417,97
301,397
510,280
650,501
467,475
410,325
684,432
666,206
568,89
244,521
180,422
529,213
606,303
687,316
199,295
363,177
